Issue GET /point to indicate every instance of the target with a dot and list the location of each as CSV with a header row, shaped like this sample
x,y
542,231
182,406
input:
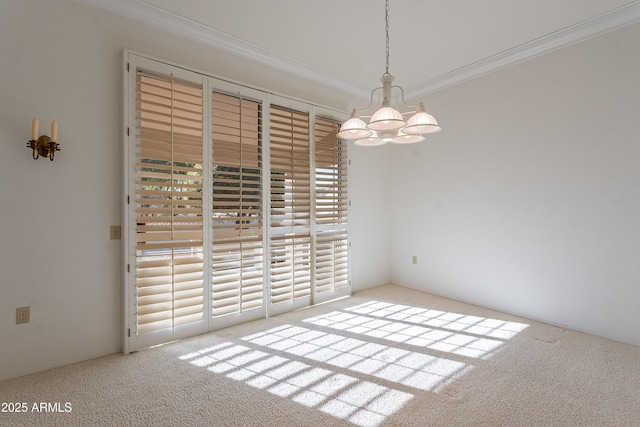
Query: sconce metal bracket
x,y
43,147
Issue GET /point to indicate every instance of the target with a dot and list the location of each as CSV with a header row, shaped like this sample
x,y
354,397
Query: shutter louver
x,y
237,205
169,211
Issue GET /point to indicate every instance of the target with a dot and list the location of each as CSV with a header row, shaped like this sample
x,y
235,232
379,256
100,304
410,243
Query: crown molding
x,y
153,16
140,11
617,18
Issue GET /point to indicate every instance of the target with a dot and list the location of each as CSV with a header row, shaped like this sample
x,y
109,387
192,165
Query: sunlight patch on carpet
x,y
462,335
412,369
364,362
363,403
493,328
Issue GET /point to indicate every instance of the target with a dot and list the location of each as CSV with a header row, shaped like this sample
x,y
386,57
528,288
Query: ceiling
x,y
341,43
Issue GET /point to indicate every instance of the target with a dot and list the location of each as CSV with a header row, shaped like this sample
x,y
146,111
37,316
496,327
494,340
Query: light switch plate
x,y
115,232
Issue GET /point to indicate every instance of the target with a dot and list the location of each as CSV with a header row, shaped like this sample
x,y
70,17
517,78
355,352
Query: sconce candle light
x,y
43,146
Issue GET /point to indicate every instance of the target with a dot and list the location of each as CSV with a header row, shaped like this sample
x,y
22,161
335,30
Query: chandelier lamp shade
x,y
387,123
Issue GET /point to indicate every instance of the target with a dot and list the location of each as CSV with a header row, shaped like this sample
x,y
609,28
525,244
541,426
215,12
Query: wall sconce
x,y
43,146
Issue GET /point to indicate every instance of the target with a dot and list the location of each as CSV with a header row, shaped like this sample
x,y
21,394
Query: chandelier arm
x,y
405,103
368,107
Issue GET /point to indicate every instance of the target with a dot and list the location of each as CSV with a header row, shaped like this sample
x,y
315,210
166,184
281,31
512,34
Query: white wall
x,y
369,188
62,60
529,200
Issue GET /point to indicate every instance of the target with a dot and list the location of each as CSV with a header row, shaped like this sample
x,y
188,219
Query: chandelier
x,y
387,123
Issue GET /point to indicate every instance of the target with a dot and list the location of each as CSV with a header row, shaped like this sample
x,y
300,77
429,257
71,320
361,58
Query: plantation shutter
x,y
237,205
331,204
290,242
168,204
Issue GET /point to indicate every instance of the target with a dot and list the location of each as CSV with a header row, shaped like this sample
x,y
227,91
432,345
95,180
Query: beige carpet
x,y
387,356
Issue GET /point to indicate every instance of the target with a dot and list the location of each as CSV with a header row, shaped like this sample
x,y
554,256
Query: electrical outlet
x,y
115,232
23,315
414,259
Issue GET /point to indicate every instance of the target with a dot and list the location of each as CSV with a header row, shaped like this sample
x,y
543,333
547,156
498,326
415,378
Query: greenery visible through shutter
x,y
237,204
169,211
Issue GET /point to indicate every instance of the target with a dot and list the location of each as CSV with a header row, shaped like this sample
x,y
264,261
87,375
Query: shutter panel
x,y
290,243
169,211
237,204
331,204
330,174
290,268
290,177
331,271
237,276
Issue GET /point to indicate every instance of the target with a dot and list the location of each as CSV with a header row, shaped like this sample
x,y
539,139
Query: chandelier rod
x,y
386,29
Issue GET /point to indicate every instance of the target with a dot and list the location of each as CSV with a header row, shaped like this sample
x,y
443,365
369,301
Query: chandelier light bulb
x,y
403,138
421,123
386,118
354,128
372,141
